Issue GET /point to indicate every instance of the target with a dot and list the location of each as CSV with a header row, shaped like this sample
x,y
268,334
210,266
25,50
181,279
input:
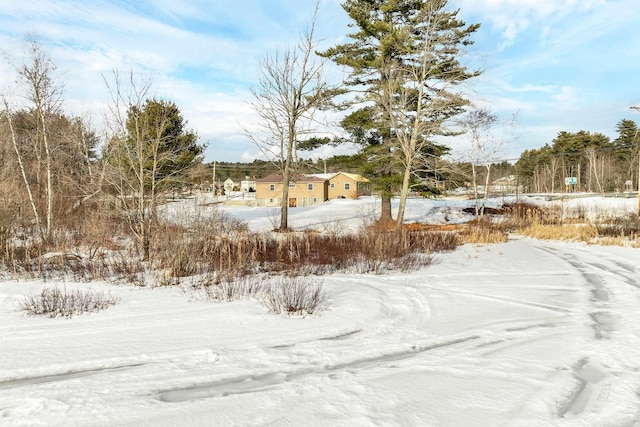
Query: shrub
x,y
54,302
369,251
218,289
222,247
484,230
626,227
520,215
122,268
294,295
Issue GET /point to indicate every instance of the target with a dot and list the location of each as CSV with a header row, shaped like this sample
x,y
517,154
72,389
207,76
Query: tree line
x,y
597,163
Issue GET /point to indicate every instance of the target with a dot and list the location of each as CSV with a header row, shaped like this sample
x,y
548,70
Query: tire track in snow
x,y
602,319
469,344
393,306
70,375
591,384
261,382
610,283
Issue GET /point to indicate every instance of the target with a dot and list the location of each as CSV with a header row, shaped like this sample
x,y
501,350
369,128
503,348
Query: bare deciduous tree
x,y
21,164
148,152
290,92
43,97
485,148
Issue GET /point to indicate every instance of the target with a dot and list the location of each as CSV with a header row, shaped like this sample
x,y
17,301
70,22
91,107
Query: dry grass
x,y
616,241
222,250
296,253
549,224
573,232
219,289
484,231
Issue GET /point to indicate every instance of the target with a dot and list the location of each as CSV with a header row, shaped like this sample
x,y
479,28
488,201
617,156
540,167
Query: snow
x,y
525,333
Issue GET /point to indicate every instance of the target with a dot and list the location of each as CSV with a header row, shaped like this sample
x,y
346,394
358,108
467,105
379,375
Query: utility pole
x,y
214,178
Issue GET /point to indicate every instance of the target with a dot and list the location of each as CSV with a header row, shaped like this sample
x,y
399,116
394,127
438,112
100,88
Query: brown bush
x,y
294,295
187,254
620,227
53,302
484,231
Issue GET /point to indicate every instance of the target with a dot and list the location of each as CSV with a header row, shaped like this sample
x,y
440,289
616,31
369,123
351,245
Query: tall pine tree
x,y
401,50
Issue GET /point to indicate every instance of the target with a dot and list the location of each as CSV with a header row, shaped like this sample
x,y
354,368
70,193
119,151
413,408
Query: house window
x,y
315,200
270,200
310,187
347,186
272,187
332,185
292,185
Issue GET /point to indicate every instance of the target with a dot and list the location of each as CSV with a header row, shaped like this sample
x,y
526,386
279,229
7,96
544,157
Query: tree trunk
x,y
474,176
487,181
286,173
47,151
23,172
146,241
385,210
403,198
284,208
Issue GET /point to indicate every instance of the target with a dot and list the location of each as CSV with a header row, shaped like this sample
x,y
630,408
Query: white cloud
x,y
512,17
566,98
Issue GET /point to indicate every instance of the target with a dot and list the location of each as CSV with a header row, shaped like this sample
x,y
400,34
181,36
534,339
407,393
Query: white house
x,y
228,185
247,185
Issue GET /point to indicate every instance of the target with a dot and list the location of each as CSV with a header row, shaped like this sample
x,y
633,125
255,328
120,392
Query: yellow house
x,y
343,185
304,190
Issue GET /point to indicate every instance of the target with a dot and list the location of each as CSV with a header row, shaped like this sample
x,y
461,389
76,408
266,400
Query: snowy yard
x,y
526,333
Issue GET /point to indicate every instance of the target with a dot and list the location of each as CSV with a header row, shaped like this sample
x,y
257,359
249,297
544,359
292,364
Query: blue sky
x,y
559,64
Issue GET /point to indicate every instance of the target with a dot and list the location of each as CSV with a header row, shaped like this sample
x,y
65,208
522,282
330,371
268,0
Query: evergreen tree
x,y
628,137
150,153
158,130
401,50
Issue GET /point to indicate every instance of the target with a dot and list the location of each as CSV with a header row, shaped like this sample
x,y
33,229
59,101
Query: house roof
x,y
276,178
316,177
353,176
323,175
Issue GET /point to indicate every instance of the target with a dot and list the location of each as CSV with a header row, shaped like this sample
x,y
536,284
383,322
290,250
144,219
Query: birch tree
x,y
21,164
43,98
483,150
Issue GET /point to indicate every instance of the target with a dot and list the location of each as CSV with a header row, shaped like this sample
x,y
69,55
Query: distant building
x,y
343,185
507,184
228,185
247,185
304,190
307,190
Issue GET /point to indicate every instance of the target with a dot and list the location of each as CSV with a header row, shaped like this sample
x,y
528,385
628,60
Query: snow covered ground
x,y
526,333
